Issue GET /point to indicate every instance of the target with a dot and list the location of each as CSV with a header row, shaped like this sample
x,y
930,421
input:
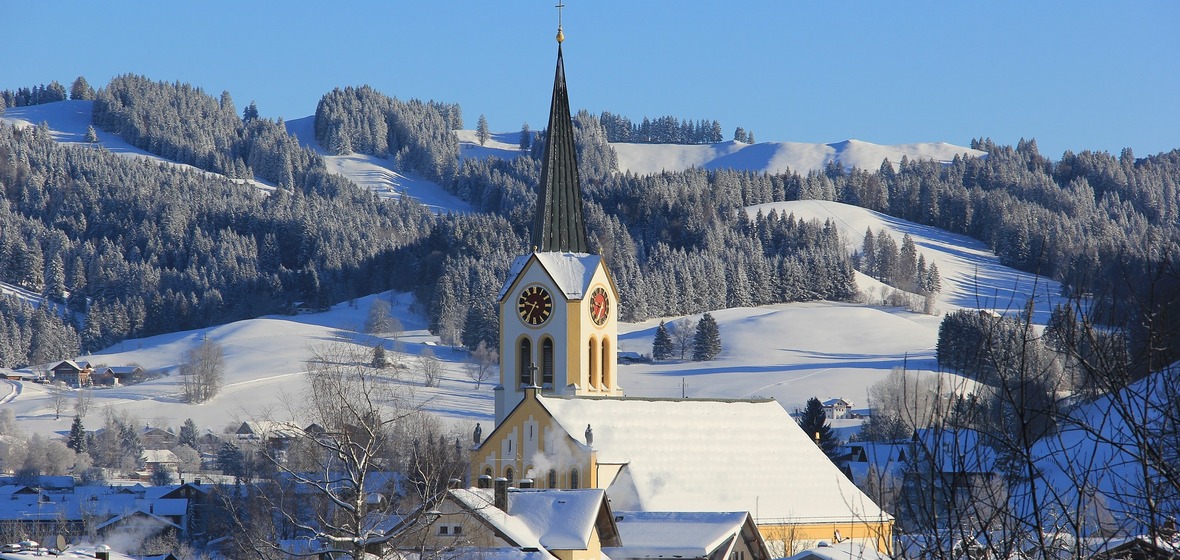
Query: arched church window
x,y
552,478
592,372
574,479
508,475
608,380
488,472
547,362
525,361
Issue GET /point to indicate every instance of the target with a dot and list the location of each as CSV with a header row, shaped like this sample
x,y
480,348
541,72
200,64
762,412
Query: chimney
x,y
485,481
102,552
501,494
454,483
525,483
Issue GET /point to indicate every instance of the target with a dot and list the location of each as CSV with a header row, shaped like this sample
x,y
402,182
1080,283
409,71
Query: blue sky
x,y
1077,75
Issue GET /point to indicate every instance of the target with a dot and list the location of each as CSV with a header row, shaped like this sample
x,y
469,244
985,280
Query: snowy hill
x,y
790,352
776,157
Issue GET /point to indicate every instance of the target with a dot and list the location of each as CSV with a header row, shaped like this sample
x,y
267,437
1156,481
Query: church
x,y
564,421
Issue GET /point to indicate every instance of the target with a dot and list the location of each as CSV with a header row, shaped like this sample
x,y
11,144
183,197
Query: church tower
x,y
559,306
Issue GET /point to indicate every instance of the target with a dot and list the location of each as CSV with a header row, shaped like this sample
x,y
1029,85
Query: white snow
x,y
378,174
68,122
776,157
713,455
647,534
789,352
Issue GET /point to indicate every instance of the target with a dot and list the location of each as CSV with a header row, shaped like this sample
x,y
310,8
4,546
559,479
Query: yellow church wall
x,y
788,538
530,438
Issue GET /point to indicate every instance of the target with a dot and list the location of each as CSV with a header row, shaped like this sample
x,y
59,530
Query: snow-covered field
x,y
790,352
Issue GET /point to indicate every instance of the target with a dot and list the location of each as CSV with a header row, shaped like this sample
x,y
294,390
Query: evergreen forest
x,y
120,247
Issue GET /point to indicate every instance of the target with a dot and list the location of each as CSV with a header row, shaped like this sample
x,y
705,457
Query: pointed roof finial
x,y
560,35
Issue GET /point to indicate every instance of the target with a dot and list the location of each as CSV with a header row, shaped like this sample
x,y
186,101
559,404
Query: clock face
x,y
534,305
599,306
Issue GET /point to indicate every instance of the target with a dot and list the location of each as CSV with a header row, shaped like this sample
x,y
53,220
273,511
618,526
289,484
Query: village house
x,y
72,374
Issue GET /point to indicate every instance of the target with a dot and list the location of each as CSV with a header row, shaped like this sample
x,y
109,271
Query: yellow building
x,y
562,418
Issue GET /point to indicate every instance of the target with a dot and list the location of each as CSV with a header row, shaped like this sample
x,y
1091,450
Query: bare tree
x,y
201,371
431,368
482,363
684,334
82,401
349,432
60,396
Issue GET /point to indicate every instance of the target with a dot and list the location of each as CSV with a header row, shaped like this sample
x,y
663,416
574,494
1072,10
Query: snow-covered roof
x,y
71,553
849,549
647,534
836,401
553,519
713,455
571,272
159,456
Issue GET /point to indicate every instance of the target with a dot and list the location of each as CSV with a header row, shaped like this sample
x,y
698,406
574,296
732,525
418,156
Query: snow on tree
x,y
481,131
707,343
815,424
662,347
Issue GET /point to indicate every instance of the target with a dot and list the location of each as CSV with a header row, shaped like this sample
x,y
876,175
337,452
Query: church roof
x,y
712,455
559,224
571,272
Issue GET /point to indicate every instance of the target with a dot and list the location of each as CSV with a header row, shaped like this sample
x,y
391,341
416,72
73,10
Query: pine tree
x,y
707,344
77,439
662,348
91,135
815,424
188,434
380,361
526,137
230,459
481,130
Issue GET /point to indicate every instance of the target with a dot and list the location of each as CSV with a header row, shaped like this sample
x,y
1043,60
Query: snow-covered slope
x,y
790,352
68,122
776,157
377,174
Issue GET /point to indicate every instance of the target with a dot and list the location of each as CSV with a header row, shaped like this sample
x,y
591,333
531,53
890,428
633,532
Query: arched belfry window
x,y
574,482
524,362
608,380
592,371
552,478
547,362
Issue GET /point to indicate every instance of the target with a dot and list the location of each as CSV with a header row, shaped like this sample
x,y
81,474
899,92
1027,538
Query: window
x,y
552,478
524,362
457,530
488,471
593,372
607,381
444,530
547,362
574,479
508,474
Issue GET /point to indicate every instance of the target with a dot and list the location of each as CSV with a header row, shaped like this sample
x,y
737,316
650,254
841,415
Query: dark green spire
x,y
559,225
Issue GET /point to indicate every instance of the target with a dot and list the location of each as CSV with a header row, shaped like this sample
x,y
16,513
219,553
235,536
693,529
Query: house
x,y
951,469
837,408
847,549
118,375
565,524
160,458
72,374
158,438
684,535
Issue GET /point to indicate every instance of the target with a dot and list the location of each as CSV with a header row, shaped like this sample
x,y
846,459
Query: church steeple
x,y
559,225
